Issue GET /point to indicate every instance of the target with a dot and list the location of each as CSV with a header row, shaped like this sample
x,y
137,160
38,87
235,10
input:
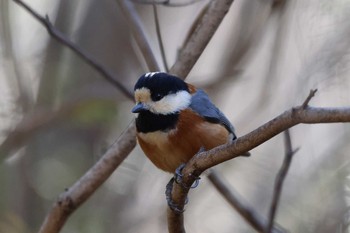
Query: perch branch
x,y
56,34
286,120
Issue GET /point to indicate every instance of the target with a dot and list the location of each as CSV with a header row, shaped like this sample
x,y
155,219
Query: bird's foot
x,y
178,178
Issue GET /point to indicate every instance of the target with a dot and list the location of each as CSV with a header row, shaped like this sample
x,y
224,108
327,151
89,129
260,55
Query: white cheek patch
x,y
171,103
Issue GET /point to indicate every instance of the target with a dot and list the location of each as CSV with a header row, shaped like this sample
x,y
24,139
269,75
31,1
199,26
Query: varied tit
x,y
175,120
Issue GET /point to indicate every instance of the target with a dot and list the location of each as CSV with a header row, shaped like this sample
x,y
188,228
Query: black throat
x,y
147,122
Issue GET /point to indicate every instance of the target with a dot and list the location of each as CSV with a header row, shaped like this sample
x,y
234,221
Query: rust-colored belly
x,y
168,150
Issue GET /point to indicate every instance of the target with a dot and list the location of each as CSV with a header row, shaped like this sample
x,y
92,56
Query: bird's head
x,y
161,93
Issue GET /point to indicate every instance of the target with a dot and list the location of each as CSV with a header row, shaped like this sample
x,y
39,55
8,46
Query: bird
x,y
175,120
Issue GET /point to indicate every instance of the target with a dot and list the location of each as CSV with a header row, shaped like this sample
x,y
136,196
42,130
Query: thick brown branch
x,y
288,119
56,34
280,179
77,194
200,38
256,221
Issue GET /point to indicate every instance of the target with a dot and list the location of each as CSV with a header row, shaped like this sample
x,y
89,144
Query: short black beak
x,y
139,108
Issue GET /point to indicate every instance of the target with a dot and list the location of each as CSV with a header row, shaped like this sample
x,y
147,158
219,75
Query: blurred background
x,y
58,115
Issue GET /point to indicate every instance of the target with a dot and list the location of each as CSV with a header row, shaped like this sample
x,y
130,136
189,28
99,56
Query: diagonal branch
x,y
201,36
286,120
56,34
280,179
256,221
79,192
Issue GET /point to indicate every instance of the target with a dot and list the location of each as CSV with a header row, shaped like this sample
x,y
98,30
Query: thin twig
x,y
56,34
310,96
139,34
251,216
280,179
77,194
159,36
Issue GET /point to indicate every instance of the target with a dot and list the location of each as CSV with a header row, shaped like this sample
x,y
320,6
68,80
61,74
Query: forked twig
x,y
280,179
56,34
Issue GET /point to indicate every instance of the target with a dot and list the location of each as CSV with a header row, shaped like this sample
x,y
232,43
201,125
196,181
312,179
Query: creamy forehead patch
x,y
150,74
142,95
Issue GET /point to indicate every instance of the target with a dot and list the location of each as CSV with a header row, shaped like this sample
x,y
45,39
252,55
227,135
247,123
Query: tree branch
x,y
280,179
56,34
77,194
256,221
288,119
200,38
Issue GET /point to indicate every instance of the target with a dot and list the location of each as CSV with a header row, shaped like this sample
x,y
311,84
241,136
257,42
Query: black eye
x,y
157,96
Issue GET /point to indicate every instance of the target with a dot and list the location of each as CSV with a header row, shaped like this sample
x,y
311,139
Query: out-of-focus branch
x,y
201,36
288,119
135,24
253,218
77,194
56,34
159,35
280,179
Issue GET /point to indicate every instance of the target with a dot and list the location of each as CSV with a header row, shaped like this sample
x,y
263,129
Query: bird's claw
x,y
178,178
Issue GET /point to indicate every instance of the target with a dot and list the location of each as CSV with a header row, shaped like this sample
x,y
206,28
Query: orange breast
x,y
168,150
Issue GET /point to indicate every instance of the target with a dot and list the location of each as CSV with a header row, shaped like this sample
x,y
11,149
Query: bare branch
x,y
159,36
56,34
256,221
280,179
288,119
310,96
70,200
200,38
139,34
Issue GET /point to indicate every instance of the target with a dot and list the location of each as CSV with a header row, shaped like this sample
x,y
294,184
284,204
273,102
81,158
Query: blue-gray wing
x,y
201,104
